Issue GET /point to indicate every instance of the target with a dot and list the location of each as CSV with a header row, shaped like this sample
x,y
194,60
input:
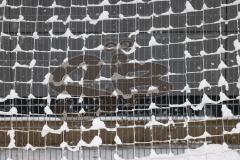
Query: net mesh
x,y
118,79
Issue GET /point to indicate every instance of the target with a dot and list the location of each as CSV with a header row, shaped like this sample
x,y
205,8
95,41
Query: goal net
x,y
119,79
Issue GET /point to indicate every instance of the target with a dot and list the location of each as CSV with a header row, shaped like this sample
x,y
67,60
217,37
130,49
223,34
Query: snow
x,y
133,49
64,158
204,84
134,90
223,97
31,96
80,100
82,111
117,140
222,82
67,79
98,124
32,63
68,33
54,5
64,95
117,157
18,48
30,147
238,59
35,35
64,145
186,88
46,129
205,100
12,95
104,3
96,142
4,3
187,54
153,106
219,51
104,15
150,60
21,18
56,50
11,134
48,97
81,143
189,7
236,44
66,59
236,129
115,93
136,61
238,83
133,33
154,122
47,78
101,78
12,111
152,89
152,41
203,53
153,154
52,19
226,112
16,64
48,110
222,65
186,103
84,67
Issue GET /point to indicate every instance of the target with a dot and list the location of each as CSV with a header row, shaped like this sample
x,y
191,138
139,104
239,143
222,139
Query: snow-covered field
x,y
205,152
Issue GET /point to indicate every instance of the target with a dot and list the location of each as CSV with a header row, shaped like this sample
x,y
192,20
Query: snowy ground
x,y
209,152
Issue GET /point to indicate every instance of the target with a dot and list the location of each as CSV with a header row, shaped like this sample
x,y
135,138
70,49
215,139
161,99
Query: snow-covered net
x,y
119,79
